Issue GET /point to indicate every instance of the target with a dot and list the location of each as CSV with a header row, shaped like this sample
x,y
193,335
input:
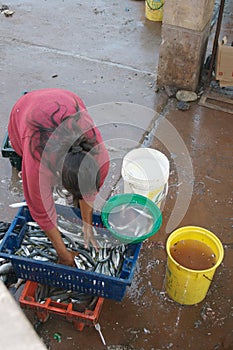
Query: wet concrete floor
x,y
198,144
147,318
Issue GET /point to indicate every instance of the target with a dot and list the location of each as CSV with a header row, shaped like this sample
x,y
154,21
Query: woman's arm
x,y
87,212
65,256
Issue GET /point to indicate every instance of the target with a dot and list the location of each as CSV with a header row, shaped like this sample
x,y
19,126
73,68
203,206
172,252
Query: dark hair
x,y
80,174
66,150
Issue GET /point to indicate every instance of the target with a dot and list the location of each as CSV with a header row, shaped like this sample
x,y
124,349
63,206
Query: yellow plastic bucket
x,y
154,10
183,285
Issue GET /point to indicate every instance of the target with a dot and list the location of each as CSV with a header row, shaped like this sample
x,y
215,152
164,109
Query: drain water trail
x,y
164,297
178,318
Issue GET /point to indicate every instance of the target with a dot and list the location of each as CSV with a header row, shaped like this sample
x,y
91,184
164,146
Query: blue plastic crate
x,y
62,276
9,152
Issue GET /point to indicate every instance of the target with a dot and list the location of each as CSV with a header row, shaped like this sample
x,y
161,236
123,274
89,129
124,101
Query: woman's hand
x,y
67,258
89,238
86,212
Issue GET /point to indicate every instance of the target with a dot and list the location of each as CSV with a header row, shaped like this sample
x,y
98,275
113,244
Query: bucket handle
x,y
162,194
209,279
156,7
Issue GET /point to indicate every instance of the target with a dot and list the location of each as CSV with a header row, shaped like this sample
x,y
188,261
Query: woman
x,y
60,147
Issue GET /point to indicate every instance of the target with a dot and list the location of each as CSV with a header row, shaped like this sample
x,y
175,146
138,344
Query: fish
x,y
7,273
74,230
106,260
143,213
18,205
4,226
79,263
116,258
68,225
80,301
6,268
13,287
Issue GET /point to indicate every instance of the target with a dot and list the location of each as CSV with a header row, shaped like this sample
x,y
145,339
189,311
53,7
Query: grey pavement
x,y
107,52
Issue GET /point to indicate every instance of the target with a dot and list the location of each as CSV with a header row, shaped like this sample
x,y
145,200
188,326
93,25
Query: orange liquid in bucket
x,y
193,254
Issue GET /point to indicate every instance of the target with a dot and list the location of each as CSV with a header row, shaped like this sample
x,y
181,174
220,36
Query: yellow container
x,y
183,285
154,10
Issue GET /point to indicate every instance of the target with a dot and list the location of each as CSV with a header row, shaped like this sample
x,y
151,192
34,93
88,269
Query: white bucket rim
x,y
133,155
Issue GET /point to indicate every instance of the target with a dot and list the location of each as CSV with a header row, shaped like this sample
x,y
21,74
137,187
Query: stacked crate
x,y
65,277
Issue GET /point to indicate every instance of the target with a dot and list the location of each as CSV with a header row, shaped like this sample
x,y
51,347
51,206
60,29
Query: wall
x,y
185,32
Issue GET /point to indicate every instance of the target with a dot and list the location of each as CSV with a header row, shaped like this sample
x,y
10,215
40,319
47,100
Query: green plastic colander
x,y
142,204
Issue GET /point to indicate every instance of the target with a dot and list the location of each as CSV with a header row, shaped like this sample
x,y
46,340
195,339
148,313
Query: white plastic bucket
x,y
145,171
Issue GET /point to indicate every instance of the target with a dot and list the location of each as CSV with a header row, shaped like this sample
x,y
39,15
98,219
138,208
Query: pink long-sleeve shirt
x,y
38,180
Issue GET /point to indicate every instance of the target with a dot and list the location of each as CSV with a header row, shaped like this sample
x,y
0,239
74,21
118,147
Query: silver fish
x,y
80,301
143,213
107,260
6,268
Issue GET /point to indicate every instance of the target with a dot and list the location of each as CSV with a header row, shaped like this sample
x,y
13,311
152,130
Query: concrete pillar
x,y
185,32
17,332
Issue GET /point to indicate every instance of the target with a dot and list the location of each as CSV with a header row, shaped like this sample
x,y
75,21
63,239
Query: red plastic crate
x,y
79,319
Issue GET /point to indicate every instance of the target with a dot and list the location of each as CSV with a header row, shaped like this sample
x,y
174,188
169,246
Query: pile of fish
x,y
80,301
74,230
107,259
